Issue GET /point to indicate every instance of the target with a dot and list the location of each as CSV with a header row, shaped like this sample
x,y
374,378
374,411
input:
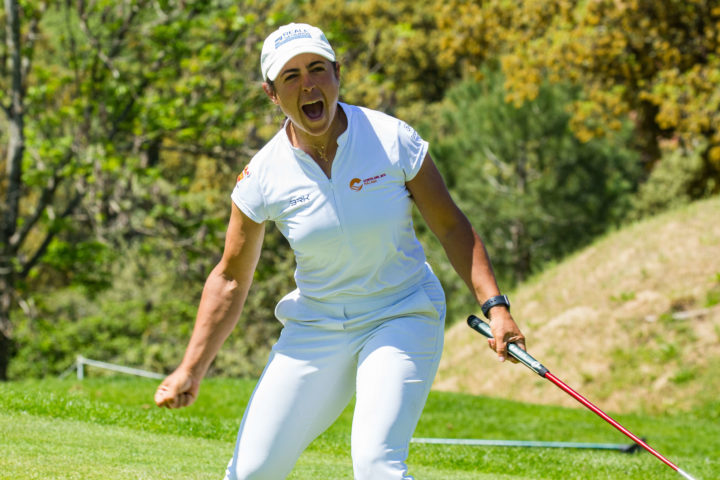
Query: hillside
x,y
631,322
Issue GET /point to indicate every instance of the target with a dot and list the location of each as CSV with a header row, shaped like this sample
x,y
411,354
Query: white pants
x,y
386,352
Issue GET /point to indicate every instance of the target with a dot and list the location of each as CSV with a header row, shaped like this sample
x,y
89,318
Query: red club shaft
x,y
608,419
537,367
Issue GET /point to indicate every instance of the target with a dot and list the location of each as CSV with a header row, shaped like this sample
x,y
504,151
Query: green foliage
x,y
83,264
138,324
670,183
145,317
138,116
654,62
390,52
532,190
127,104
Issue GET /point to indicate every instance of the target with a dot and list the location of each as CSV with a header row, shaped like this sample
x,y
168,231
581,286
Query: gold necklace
x,y
319,150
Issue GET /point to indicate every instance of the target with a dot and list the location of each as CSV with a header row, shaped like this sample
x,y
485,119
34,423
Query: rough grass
x,y
632,322
106,428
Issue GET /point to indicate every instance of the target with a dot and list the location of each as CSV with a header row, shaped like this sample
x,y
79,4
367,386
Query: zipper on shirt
x,y
324,179
336,205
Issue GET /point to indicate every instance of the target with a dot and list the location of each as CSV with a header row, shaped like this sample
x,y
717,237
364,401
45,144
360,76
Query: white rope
x,y
521,443
80,362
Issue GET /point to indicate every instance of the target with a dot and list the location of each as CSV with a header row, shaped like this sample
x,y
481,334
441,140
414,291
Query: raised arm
x,y
223,297
464,249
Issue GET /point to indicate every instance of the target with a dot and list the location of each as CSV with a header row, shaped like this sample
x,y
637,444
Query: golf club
x,y
526,359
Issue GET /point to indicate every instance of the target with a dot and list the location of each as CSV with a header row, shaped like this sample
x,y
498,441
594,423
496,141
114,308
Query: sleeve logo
x,y
244,174
411,131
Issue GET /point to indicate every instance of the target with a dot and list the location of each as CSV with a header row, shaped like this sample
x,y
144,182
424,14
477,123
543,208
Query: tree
x,y
655,62
107,103
531,188
388,52
13,233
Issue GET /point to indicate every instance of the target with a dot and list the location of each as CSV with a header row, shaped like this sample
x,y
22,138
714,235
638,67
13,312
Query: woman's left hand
x,y
504,330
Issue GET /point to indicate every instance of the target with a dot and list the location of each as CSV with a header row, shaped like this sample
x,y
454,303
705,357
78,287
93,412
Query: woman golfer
x,y
367,316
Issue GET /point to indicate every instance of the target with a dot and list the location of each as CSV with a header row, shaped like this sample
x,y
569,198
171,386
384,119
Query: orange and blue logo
x,y
356,184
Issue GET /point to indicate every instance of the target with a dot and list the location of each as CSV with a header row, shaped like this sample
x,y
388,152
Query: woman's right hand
x,y
178,390
223,296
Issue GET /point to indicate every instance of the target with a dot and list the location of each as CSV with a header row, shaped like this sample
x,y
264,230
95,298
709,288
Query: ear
x,y
270,92
337,71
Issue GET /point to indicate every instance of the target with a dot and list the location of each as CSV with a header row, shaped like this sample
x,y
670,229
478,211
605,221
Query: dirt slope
x,y
632,322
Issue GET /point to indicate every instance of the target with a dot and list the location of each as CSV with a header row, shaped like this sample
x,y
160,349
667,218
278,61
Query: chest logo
x,y
300,199
356,184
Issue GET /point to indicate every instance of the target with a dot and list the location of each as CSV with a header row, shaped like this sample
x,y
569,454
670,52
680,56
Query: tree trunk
x,y
5,346
6,294
16,149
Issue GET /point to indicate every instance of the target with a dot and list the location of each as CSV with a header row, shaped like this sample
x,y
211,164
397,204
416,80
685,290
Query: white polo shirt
x,y
352,234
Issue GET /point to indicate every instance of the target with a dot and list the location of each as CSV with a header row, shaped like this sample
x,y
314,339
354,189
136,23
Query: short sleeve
x,y
247,195
411,149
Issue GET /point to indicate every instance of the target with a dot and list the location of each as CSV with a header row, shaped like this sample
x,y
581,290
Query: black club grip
x,y
521,355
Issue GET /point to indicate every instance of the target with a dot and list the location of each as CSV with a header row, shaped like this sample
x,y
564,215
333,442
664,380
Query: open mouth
x,y
314,110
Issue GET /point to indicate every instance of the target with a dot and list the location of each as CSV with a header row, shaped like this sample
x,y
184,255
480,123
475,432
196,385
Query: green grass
x,y
107,428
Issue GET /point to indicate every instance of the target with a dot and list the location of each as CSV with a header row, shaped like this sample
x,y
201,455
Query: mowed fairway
x,y
108,429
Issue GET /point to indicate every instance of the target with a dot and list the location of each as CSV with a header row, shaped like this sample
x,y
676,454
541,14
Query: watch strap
x,y
493,302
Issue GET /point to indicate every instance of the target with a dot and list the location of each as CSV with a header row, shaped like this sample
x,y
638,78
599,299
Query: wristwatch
x,y
493,302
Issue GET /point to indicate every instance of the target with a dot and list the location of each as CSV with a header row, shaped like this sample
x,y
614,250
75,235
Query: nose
x,y
307,82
